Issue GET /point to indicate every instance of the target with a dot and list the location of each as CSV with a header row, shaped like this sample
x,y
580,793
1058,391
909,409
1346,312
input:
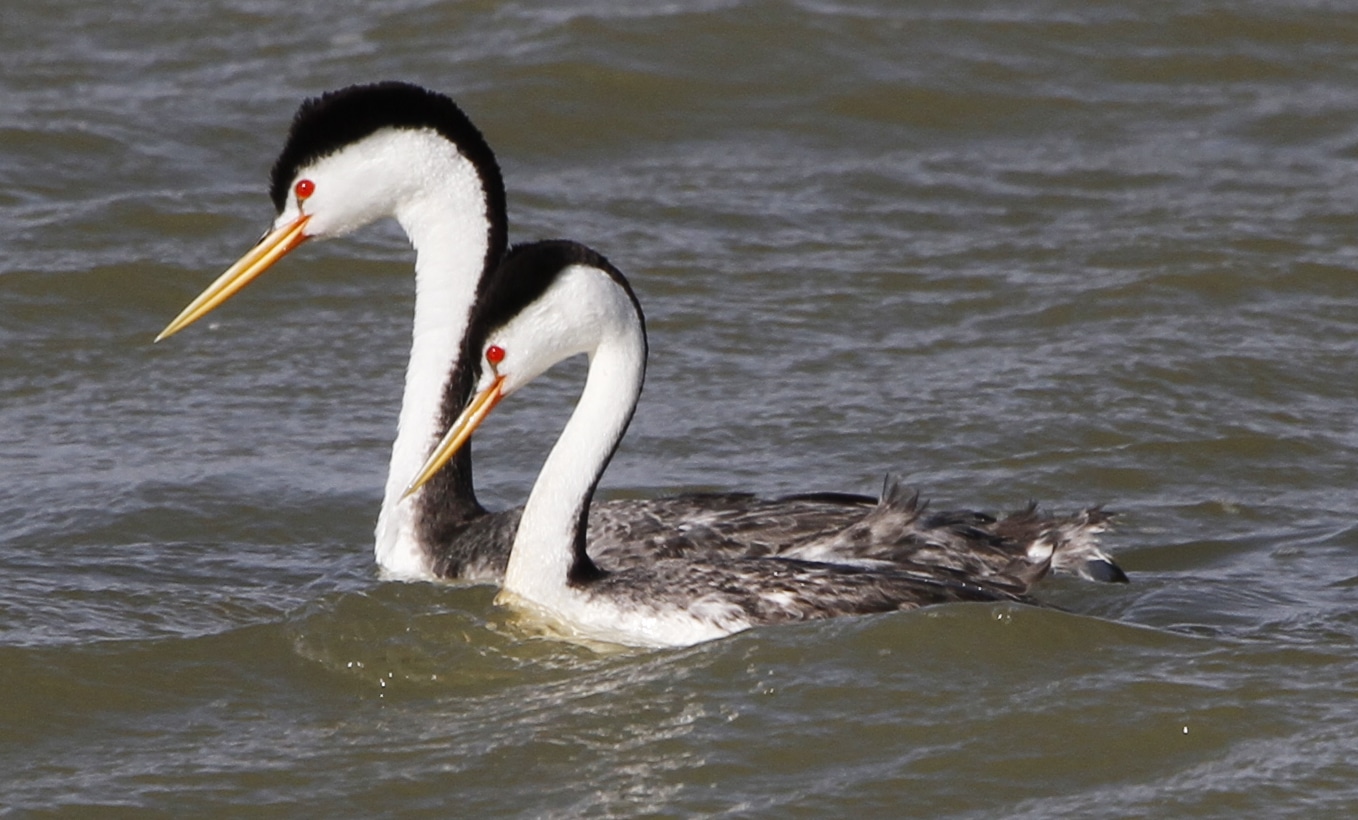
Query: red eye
x,y
304,188
495,354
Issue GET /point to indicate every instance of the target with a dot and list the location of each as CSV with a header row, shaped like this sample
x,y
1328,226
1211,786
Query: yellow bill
x,y
472,415
274,246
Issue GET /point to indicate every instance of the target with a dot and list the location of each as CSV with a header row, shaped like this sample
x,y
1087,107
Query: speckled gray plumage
x,y
762,591
895,530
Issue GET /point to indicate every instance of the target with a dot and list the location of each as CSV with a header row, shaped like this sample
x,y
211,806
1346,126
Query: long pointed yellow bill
x,y
472,415
273,247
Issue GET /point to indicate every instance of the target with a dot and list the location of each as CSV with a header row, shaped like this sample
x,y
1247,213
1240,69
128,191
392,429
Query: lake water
x,y
1082,253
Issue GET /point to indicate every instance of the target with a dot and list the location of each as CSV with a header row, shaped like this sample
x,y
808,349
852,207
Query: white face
x,y
583,308
375,178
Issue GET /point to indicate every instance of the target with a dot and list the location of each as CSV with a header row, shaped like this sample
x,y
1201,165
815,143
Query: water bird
x,y
552,300
364,153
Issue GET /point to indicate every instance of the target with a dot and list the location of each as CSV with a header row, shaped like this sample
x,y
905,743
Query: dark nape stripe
x,y
522,276
526,273
328,124
448,503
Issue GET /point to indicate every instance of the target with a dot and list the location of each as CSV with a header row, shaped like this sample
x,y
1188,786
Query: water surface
x,y
1083,254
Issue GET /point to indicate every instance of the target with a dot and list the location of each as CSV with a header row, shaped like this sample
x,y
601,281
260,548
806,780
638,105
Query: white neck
x,y
448,226
544,548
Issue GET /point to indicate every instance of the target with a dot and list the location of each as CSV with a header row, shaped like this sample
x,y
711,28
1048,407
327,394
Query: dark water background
x,y
1079,252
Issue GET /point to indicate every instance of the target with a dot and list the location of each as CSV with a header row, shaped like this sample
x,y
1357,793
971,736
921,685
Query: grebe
x,y
392,149
553,300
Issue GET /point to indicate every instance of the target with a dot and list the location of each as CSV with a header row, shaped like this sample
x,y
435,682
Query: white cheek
x,y
331,215
289,215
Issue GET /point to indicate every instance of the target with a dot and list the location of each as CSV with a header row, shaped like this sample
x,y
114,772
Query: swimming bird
x,y
553,300
395,150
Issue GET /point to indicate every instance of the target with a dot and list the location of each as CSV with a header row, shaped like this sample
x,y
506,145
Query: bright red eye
x,y
304,188
495,354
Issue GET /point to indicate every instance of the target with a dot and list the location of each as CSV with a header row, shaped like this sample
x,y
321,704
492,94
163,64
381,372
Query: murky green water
x,y
1080,253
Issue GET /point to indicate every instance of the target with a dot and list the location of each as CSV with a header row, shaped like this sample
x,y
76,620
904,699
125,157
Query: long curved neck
x,y
549,549
456,242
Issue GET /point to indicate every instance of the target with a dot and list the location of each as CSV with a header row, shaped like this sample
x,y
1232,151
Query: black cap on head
x,y
326,124
526,273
